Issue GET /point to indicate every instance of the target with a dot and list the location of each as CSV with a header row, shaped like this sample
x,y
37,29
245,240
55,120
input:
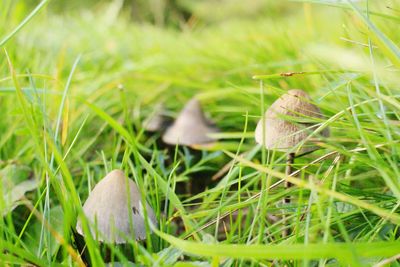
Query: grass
x,y
76,87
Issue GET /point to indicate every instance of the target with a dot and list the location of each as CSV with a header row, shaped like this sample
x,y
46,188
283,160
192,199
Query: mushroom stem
x,y
289,170
286,200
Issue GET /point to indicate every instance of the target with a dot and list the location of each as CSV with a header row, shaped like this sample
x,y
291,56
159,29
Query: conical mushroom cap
x,y
156,121
284,133
107,207
190,127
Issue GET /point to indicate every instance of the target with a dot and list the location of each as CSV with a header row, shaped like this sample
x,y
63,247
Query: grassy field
x,y
76,84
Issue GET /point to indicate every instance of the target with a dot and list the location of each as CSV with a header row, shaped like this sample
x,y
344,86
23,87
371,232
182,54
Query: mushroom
x,y
283,134
284,127
191,127
108,207
156,121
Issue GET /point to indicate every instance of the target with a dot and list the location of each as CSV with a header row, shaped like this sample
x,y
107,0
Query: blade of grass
x,y
395,218
24,22
390,49
287,252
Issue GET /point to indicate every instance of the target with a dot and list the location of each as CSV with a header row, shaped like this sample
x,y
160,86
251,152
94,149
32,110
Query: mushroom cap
x,y
190,127
282,132
156,121
107,207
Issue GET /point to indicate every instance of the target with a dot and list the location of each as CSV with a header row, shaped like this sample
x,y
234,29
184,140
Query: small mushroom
x,y
284,127
108,208
283,134
191,127
156,121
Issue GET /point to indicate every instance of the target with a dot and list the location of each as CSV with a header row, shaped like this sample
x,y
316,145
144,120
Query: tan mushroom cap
x,y
107,207
282,132
190,127
156,121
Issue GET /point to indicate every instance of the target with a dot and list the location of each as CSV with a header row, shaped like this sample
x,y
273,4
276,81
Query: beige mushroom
x,y
282,132
109,209
286,124
190,127
156,121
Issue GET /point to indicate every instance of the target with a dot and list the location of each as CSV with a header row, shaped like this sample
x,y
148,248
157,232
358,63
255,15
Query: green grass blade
x,y
393,217
285,252
24,22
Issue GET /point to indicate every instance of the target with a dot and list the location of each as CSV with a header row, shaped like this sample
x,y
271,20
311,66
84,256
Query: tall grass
x,y
75,89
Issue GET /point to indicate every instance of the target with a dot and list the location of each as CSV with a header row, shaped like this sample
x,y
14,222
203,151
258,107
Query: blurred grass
x,y
87,115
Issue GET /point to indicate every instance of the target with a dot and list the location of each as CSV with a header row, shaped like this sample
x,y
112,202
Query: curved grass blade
x,y
395,218
23,23
340,251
